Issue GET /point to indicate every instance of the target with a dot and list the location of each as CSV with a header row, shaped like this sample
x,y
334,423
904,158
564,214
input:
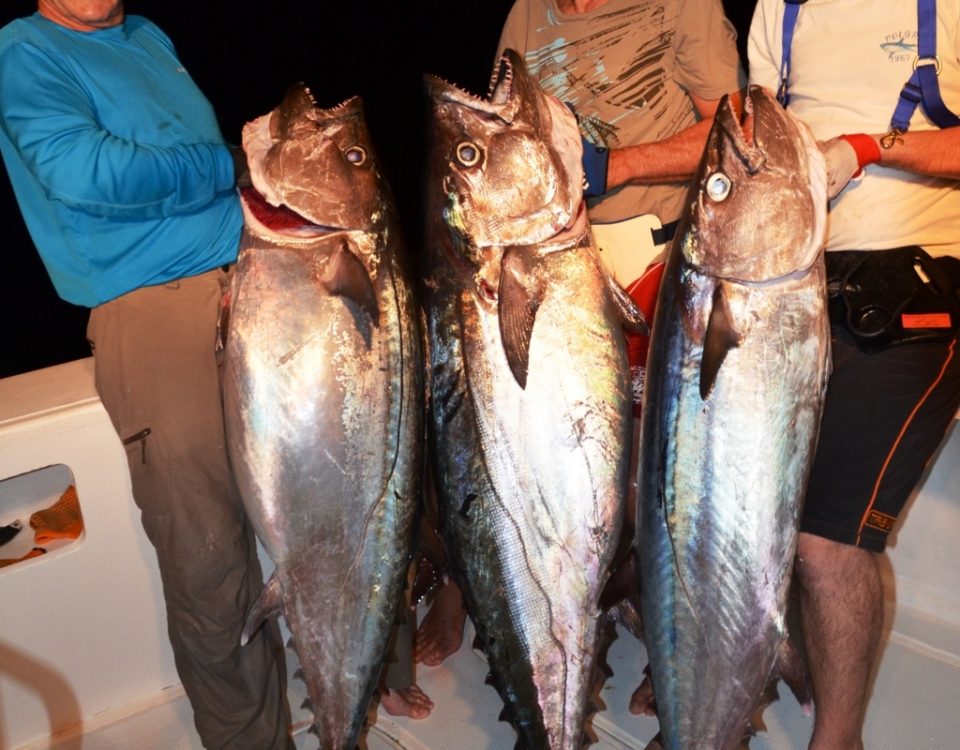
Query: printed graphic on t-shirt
x,y
619,65
900,46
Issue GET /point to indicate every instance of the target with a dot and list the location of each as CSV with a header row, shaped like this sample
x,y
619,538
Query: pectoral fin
x,y
344,275
721,336
520,296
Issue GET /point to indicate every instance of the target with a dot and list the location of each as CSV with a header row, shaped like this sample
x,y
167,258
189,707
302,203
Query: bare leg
x,y
441,632
841,605
411,701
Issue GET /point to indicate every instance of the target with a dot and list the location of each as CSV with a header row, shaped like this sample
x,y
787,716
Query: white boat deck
x,y
84,662
914,705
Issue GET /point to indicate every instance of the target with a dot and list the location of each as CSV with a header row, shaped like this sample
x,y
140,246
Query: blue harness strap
x,y
790,15
922,88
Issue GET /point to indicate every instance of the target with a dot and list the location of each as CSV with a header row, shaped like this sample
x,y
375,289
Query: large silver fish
x,y
736,378
530,393
324,397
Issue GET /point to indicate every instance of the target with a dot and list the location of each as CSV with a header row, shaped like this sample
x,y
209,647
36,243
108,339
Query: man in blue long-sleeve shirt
x,y
127,189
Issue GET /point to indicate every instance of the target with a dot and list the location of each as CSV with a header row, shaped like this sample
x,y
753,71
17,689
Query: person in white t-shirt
x,y
895,387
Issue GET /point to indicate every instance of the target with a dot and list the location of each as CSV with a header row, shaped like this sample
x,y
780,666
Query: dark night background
x,y
243,56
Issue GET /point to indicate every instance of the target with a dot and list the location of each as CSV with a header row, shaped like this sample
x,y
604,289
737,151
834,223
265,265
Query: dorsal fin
x,y
267,605
793,670
623,582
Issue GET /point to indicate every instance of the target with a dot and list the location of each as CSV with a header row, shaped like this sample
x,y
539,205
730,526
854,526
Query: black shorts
x,y
885,415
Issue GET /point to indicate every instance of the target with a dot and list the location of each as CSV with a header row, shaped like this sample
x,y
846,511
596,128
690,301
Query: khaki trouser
x,y
158,377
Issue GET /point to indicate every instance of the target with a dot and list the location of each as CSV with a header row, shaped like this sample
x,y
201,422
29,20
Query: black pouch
x,y
889,297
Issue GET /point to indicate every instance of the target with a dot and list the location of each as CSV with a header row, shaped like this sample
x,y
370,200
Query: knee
x,y
821,560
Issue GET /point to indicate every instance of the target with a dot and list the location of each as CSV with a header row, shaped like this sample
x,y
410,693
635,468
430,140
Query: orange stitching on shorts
x,y
896,443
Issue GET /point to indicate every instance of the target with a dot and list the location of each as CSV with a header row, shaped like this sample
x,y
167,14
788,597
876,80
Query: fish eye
x,y
356,155
469,154
718,186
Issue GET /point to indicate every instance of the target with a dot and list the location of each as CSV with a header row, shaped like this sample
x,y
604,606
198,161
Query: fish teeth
x,y
462,91
341,105
502,74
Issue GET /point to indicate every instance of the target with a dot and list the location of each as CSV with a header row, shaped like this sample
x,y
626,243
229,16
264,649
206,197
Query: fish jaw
x,y
510,163
317,163
768,164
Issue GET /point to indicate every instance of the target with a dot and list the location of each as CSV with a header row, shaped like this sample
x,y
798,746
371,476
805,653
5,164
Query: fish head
x,y
758,205
313,170
505,169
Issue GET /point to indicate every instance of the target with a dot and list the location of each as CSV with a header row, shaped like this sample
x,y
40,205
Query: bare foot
x,y
441,632
411,701
642,701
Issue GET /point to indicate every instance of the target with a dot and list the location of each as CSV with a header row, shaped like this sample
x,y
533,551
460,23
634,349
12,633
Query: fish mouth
x,y
281,221
500,100
740,131
766,161
501,81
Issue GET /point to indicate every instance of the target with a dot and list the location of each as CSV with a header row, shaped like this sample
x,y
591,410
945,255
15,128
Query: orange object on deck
x,y
62,520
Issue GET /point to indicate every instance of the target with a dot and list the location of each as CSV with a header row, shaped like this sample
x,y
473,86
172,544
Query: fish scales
x,y
530,394
735,382
324,397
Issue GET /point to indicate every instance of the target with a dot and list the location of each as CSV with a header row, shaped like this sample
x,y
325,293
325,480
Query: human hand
x,y
842,165
595,159
846,156
241,171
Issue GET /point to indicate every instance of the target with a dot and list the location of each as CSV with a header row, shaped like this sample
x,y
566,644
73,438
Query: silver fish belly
x,y
737,372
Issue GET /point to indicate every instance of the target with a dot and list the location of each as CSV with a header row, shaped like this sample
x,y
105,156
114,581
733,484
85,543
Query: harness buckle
x,y
782,92
934,61
891,138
